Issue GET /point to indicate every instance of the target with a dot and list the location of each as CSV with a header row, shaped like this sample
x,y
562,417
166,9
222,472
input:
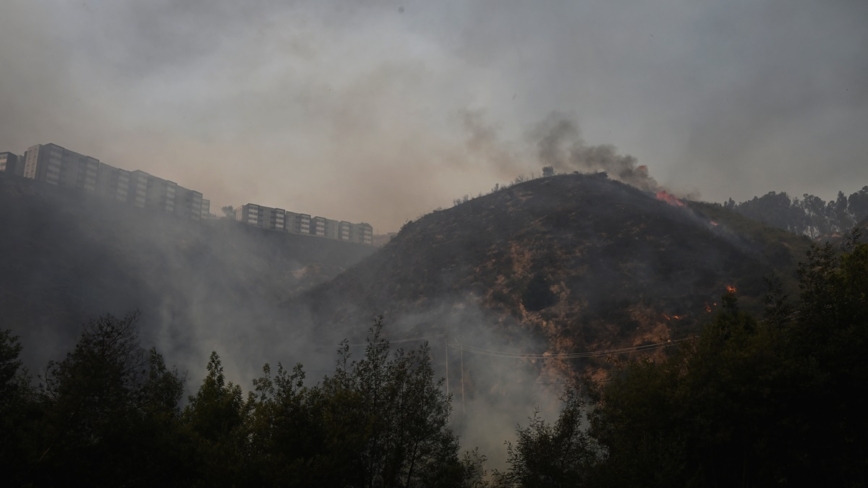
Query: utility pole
x,y
463,406
446,356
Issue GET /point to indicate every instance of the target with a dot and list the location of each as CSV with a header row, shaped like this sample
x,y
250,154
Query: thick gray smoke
x,y
560,145
223,286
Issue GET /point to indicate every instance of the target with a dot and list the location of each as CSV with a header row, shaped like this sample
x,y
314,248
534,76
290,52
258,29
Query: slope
x,y
65,257
578,262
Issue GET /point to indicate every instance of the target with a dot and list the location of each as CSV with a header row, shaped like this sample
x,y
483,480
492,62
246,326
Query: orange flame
x,y
669,198
707,308
667,317
730,289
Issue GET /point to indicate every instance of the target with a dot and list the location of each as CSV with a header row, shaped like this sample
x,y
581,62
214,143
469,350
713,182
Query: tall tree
x,y
216,416
752,402
551,455
110,412
16,409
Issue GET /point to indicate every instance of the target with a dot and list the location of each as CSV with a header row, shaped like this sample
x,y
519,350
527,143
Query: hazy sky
x,y
380,111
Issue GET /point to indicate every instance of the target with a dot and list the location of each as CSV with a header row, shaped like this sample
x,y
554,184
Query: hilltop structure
x,y
12,163
57,166
297,223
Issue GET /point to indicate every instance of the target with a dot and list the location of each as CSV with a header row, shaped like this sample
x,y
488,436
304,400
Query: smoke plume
x,y
559,144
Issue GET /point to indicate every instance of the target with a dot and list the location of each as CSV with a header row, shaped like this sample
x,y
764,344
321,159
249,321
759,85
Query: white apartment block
x,y
318,226
298,223
161,194
113,183
344,230
12,163
331,228
58,166
362,233
255,215
264,217
138,190
188,203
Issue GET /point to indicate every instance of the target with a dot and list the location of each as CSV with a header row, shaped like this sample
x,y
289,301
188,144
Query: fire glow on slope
x,y
669,198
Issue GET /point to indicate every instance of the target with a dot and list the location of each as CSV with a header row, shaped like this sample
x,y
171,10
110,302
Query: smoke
x,y
347,109
486,147
559,144
490,394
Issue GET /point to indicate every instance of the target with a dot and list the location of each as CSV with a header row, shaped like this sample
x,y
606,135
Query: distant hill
x,y
65,257
562,264
576,262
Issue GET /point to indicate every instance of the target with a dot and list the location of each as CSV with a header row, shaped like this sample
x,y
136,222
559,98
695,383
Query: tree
x,y
386,419
751,402
551,455
285,428
228,212
109,412
216,416
377,421
857,203
16,408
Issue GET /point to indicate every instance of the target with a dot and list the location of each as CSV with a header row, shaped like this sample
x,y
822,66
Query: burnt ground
x,y
580,262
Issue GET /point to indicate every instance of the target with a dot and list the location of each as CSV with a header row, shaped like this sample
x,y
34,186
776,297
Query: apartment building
x,y
331,228
58,166
318,226
276,218
250,214
343,229
112,183
362,233
55,165
147,190
12,163
297,223
137,195
31,158
161,194
188,203
260,216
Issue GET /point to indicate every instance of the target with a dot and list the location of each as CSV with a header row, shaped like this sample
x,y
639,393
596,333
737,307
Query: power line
x,y
519,355
401,341
568,355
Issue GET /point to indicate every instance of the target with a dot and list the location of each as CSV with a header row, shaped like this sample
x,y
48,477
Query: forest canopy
x,y
771,400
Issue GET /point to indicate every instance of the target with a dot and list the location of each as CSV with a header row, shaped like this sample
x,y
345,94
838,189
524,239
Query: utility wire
x,y
515,355
568,355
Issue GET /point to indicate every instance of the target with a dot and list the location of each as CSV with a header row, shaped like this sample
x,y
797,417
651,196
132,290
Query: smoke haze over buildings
x,y
359,110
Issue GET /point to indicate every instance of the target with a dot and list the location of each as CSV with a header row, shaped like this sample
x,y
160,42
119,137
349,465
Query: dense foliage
x,y
772,401
809,215
110,414
777,400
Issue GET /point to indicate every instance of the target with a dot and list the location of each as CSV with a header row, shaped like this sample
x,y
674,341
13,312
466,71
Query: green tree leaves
x,y
551,455
752,403
109,414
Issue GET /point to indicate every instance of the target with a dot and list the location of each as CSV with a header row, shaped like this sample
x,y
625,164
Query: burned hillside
x,y
579,261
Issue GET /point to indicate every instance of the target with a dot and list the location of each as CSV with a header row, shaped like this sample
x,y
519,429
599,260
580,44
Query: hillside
x,y
65,258
575,262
